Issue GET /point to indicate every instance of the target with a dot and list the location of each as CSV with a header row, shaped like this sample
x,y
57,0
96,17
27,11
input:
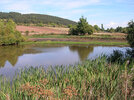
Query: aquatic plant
x,y
94,79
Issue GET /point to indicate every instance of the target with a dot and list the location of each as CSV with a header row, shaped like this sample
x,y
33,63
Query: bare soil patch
x,y
41,30
54,30
113,34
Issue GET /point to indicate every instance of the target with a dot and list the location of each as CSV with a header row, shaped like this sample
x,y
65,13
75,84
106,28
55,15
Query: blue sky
x,y
111,13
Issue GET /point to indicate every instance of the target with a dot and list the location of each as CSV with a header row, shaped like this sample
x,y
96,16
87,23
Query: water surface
x,y
17,57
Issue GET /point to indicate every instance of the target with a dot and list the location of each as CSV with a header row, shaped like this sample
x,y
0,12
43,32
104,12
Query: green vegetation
x,y
121,30
102,28
81,28
130,36
117,30
97,28
119,56
26,33
91,80
35,19
95,39
8,33
93,36
71,42
111,30
102,78
40,24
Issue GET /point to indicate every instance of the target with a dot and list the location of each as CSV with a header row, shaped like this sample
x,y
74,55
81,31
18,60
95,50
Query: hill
x,y
35,18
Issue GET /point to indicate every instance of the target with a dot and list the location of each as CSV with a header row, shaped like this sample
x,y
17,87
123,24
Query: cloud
x,y
19,6
5,1
96,11
69,13
69,4
116,24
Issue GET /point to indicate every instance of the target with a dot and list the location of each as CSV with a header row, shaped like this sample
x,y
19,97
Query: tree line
x,y
82,28
118,29
19,18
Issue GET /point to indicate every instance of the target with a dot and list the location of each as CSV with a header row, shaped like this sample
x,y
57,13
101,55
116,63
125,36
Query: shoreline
x,y
103,43
104,40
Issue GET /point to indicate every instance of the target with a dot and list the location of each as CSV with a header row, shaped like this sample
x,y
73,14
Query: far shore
x,y
59,35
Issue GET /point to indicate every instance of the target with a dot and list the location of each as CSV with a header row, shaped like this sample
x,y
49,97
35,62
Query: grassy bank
x,y
91,80
70,42
75,36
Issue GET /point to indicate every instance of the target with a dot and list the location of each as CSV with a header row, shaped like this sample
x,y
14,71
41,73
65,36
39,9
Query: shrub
x,y
8,33
73,30
40,24
26,33
116,56
96,28
130,36
81,28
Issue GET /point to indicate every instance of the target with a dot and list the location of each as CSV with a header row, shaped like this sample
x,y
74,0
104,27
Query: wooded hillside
x,y
35,18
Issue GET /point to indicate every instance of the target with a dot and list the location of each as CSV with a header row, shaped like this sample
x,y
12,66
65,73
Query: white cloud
x,y
5,1
19,6
69,12
116,24
69,4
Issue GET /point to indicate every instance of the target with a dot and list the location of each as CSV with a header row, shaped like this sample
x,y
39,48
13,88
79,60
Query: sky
x,y
110,13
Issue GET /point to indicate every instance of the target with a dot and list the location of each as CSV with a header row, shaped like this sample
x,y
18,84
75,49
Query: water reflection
x,y
11,53
14,57
83,51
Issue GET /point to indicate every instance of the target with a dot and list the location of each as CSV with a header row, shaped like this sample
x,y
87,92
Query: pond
x,y
18,57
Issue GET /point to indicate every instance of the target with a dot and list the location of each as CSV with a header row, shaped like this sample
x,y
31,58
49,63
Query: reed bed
x,y
92,80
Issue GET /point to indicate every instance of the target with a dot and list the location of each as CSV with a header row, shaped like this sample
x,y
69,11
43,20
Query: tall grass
x,y
92,80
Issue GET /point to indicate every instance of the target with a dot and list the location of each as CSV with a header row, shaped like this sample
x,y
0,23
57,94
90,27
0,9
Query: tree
x,y
102,28
81,28
119,56
118,29
97,29
130,32
124,30
111,30
8,33
121,29
73,30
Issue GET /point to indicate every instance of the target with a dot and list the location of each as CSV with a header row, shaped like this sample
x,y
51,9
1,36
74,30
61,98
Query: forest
x,y
34,18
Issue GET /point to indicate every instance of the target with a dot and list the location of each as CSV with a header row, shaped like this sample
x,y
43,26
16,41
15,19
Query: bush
x,y
26,33
130,36
96,28
40,24
8,33
73,30
81,28
117,56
